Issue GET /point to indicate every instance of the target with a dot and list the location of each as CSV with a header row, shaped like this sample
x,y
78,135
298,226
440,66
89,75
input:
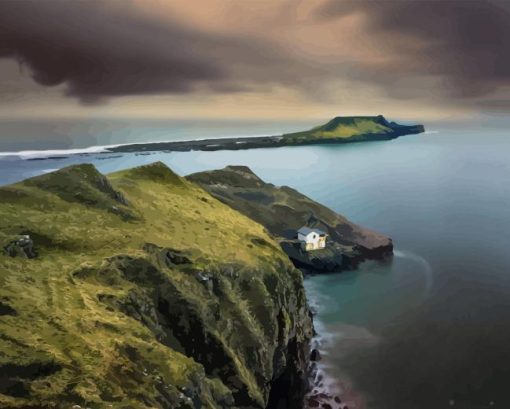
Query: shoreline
x,y
325,390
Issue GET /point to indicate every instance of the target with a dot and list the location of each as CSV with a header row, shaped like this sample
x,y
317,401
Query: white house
x,y
313,239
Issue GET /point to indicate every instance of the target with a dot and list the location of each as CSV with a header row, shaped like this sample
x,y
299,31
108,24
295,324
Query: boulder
x,y
315,355
23,246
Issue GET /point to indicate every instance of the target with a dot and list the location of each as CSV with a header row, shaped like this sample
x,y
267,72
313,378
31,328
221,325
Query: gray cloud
x,y
103,49
464,43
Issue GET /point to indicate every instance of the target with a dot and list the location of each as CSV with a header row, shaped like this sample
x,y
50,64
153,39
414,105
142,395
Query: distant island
x,y
341,129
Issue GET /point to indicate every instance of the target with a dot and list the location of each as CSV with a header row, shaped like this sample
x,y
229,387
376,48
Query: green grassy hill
x,y
145,292
352,127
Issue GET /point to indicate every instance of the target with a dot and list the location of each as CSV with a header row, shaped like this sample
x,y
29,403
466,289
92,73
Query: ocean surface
x,y
429,328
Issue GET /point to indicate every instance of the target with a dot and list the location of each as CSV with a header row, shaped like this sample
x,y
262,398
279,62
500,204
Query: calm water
x,y
431,327
16,135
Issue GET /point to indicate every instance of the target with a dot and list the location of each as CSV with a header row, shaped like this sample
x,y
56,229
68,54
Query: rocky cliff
x,y
283,210
141,290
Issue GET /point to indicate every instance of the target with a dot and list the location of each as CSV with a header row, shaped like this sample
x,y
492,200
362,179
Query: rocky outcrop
x,y
15,379
6,309
283,210
22,247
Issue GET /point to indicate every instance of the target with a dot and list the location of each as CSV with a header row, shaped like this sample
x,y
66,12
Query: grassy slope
x,y
345,128
282,210
78,223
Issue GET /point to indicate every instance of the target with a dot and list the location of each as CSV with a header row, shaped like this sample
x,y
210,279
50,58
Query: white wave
x,y
30,154
430,132
426,268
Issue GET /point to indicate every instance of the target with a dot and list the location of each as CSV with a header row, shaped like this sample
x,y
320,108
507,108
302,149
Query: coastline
x,y
203,144
256,142
325,391
28,154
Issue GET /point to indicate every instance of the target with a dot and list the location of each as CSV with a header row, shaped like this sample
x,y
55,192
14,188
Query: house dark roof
x,y
305,230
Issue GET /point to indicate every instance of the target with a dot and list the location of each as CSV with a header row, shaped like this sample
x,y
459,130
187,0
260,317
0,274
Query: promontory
x,y
339,130
144,289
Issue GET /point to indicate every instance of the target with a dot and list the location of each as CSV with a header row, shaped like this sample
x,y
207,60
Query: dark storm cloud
x,y
455,51
465,43
102,49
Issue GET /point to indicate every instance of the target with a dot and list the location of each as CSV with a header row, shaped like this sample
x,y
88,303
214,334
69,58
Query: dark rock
x,y
313,402
315,355
206,280
327,406
176,257
288,389
337,399
260,242
23,247
14,379
6,309
171,256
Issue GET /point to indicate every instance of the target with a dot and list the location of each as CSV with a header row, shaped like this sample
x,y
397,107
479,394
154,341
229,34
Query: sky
x,y
256,59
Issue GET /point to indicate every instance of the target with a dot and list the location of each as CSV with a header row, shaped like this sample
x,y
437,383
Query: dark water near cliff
x,y
431,327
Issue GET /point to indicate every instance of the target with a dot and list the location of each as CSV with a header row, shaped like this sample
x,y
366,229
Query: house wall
x,y
314,243
310,246
311,243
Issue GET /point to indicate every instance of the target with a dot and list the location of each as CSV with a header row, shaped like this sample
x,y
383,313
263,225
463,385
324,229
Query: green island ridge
x,y
339,130
140,289
353,128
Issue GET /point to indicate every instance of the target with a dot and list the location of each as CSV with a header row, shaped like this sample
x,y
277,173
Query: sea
x,y
427,328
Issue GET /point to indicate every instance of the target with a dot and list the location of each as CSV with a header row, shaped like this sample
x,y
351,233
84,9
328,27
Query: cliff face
x,y
283,210
142,290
